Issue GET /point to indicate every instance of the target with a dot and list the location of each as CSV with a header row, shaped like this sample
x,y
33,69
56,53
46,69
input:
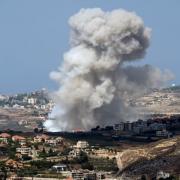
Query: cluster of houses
x,y
32,103
76,149
5,137
22,149
36,100
85,175
139,126
78,174
48,140
91,151
160,127
26,146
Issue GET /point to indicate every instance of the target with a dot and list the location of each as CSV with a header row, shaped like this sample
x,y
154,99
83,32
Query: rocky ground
x,y
149,159
165,101
19,119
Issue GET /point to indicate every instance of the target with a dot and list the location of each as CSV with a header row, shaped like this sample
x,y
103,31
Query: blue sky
x,y
35,33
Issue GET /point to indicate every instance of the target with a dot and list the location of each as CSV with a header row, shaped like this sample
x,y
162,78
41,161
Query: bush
x,y
83,158
26,158
42,165
88,166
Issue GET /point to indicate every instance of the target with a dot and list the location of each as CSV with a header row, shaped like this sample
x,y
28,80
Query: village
x,y
79,154
28,150
53,157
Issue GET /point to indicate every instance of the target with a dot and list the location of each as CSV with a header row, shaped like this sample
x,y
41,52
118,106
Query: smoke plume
x,y
94,79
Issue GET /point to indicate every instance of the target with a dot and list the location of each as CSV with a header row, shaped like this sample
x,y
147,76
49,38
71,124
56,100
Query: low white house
x,y
4,137
119,127
60,167
32,101
74,153
24,150
162,175
163,133
82,144
52,142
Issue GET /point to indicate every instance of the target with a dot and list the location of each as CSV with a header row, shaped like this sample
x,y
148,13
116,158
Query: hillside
x,y
150,159
164,101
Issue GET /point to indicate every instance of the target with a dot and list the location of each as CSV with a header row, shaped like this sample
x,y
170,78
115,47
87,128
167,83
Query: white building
x,y
43,106
52,142
78,175
32,101
162,175
17,106
81,175
74,153
24,150
163,133
82,144
2,97
128,126
157,126
60,167
4,138
119,127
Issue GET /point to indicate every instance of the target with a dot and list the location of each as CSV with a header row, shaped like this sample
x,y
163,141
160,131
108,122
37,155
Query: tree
x,y
51,153
88,166
26,158
83,157
36,130
43,153
143,177
36,146
3,170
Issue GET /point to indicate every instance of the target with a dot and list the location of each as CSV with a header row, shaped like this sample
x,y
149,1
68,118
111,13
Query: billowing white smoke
x,y
94,80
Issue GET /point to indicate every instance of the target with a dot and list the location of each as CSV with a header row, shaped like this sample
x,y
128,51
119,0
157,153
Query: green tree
x,y
43,153
83,158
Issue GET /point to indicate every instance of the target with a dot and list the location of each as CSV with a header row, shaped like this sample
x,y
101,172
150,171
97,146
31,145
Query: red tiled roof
x,y
43,136
17,138
69,178
5,135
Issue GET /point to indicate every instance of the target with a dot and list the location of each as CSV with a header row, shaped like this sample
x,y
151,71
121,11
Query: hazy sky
x,y
35,33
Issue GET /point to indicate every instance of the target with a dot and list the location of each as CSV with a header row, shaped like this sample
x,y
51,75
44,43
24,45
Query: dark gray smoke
x,y
94,80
